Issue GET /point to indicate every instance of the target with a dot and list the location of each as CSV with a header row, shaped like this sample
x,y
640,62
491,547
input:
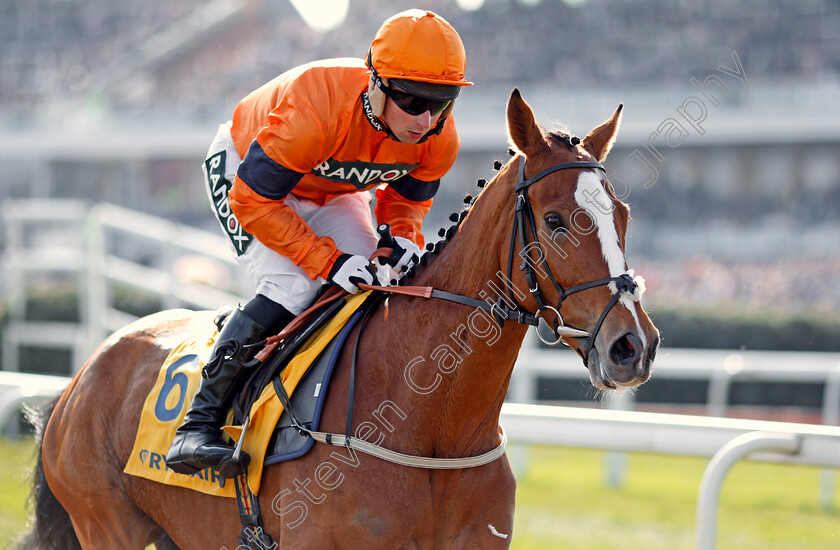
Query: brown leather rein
x,y
337,292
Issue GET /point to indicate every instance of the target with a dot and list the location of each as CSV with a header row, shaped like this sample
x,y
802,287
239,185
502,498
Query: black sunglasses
x,y
412,104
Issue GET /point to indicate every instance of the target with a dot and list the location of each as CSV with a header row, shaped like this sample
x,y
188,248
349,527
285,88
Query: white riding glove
x,y
408,254
351,269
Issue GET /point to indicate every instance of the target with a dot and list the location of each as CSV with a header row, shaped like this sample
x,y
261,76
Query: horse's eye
x,y
553,220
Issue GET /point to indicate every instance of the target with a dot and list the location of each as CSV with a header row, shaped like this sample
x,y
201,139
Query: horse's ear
x,y
600,140
523,132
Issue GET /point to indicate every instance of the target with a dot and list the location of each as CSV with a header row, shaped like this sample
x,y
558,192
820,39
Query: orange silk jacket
x,y
310,132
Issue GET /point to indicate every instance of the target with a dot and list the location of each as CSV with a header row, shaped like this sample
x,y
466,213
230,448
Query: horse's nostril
x,y
626,350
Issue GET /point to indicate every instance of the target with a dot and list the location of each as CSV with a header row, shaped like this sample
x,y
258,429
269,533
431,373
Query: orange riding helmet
x,y
420,53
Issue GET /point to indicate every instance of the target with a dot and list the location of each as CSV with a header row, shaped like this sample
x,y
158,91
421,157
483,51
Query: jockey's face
x,y
407,128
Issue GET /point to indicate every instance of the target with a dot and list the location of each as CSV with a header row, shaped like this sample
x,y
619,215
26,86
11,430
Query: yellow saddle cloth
x,y
177,382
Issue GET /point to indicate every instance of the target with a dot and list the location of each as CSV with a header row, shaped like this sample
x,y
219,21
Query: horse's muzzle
x,y
626,363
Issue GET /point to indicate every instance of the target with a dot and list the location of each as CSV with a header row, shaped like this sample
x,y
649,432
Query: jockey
x,y
288,178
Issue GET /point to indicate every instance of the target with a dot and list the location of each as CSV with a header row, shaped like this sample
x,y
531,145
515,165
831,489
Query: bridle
x,y
523,220
506,307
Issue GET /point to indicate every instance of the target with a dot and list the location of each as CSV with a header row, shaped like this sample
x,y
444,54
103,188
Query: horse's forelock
x,y
562,136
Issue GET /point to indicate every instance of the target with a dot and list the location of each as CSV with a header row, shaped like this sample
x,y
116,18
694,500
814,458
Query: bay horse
x,y
431,377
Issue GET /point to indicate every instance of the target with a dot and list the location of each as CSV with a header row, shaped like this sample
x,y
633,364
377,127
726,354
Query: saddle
x,y
267,415
301,409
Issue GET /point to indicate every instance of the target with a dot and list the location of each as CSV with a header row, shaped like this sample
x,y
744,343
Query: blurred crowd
x,y
791,286
52,49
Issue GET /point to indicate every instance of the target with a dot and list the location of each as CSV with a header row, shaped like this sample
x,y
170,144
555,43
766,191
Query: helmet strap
x,y
448,111
376,96
439,126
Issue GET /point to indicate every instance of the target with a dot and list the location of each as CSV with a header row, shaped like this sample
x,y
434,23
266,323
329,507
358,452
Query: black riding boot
x,y
198,441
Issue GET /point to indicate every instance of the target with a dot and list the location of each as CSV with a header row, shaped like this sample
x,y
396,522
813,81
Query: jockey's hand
x,y
385,274
351,269
406,254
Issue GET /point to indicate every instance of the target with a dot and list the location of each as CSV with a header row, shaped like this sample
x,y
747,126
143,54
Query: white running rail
x,y
98,247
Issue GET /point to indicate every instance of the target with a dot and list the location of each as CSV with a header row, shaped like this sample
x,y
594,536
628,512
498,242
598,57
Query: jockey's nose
x,y
424,119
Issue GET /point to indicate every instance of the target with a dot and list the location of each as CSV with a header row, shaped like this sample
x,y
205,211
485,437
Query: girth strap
x,y
252,535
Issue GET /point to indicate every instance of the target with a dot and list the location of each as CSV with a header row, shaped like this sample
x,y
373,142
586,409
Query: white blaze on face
x,y
591,196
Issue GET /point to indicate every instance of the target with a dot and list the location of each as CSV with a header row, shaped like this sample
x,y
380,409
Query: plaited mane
x,y
446,233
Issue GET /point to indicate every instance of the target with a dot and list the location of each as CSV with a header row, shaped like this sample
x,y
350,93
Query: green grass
x,y
563,502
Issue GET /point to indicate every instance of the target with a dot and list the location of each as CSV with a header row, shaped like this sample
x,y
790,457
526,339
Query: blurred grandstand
x,y
118,101
196,57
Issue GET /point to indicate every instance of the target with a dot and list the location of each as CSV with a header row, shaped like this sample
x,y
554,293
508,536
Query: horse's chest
x,y
380,505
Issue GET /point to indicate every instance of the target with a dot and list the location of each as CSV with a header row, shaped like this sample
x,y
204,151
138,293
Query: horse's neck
x,y
462,359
